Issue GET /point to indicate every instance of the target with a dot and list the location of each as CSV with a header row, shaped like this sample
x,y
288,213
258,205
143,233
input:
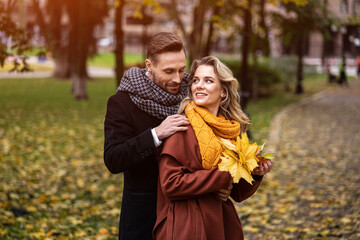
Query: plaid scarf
x,y
148,96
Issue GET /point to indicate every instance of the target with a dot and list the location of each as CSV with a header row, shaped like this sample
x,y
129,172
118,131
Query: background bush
x,y
268,76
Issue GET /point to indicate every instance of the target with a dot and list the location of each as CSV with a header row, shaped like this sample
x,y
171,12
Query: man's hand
x,y
263,168
171,125
224,194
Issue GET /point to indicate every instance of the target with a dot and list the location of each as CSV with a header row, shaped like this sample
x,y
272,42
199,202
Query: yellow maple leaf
x,y
239,159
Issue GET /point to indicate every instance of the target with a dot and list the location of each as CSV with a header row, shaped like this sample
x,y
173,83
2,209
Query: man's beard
x,y
158,82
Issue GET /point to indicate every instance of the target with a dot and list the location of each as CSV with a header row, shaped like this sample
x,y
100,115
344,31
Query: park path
x,y
313,191
92,71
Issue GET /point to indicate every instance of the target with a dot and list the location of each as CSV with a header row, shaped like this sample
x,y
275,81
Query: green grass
x,y
51,161
108,59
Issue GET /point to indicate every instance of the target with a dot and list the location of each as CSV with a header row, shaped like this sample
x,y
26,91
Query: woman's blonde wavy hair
x,y
230,104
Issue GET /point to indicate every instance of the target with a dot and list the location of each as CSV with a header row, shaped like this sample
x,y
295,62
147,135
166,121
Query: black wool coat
x,y
129,148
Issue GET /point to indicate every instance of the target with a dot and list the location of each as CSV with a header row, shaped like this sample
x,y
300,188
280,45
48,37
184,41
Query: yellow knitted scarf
x,y
208,130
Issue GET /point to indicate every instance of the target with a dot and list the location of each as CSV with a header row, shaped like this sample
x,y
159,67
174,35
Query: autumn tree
x,y
71,42
48,18
244,17
300,19
245,48
198,35
138,13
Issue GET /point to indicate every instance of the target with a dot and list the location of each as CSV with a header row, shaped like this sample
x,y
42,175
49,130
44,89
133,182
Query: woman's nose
x,y
199,86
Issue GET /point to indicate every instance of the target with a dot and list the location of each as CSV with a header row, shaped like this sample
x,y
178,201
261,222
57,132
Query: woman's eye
x,y
209,81
195,80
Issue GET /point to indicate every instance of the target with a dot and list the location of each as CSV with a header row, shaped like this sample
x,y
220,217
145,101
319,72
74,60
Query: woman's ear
x,y
223,93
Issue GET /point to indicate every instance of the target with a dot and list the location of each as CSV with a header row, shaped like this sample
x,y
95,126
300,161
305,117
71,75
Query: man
x,y
139,116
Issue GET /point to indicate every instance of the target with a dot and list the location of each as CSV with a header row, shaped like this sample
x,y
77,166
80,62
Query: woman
x,y
192,193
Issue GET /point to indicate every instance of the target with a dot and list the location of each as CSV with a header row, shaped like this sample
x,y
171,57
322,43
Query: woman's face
x,y
206,89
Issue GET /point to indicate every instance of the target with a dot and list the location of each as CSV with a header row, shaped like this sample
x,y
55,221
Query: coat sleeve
x,y
122,149
243,190
178,183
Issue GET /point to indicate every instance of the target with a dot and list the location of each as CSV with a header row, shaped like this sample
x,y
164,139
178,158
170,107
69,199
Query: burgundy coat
x,y
188,204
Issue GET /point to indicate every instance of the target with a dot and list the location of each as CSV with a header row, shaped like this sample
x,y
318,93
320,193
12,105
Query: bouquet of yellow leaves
x,y
240,159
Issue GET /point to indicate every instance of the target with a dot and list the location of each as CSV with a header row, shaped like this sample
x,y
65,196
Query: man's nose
x,y
177,78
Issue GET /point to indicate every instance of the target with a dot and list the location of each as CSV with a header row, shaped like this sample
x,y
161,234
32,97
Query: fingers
x,y
176,121
171,125
256,171
224,193
264,168
270,164
177,118
223,196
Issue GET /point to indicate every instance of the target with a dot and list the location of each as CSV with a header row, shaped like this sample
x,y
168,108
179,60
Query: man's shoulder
x,y
120,100
121,97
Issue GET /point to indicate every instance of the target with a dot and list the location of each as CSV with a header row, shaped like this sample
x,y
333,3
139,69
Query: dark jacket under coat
x,y
129,147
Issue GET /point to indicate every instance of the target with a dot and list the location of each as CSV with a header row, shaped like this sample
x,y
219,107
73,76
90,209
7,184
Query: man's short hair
x,y
163,42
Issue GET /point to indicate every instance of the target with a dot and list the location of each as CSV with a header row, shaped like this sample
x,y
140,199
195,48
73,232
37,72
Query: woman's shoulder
x,y
181,138
181,143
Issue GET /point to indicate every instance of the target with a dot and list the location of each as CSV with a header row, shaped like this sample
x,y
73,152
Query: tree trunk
x,y
216,10
195,44
119,45
323,57
245,82
266,48
79,87
60,50
79,44
62,65
299,87
52,31
255,82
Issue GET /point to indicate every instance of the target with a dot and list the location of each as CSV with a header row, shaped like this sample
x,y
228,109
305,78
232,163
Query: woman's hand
x,y
263,168
224,194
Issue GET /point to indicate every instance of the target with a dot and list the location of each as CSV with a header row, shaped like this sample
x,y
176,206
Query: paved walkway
x,y
313,191
93,71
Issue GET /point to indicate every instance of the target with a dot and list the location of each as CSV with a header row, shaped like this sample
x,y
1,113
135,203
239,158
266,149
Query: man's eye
x,y
168,72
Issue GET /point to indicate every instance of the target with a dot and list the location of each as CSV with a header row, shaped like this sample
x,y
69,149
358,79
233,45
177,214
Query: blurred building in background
x,y
344,39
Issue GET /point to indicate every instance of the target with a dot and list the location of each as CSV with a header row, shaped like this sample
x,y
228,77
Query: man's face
x,y
168,71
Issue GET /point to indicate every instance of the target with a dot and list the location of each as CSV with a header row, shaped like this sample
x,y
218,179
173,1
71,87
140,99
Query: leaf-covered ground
x,y
313,192
54,185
